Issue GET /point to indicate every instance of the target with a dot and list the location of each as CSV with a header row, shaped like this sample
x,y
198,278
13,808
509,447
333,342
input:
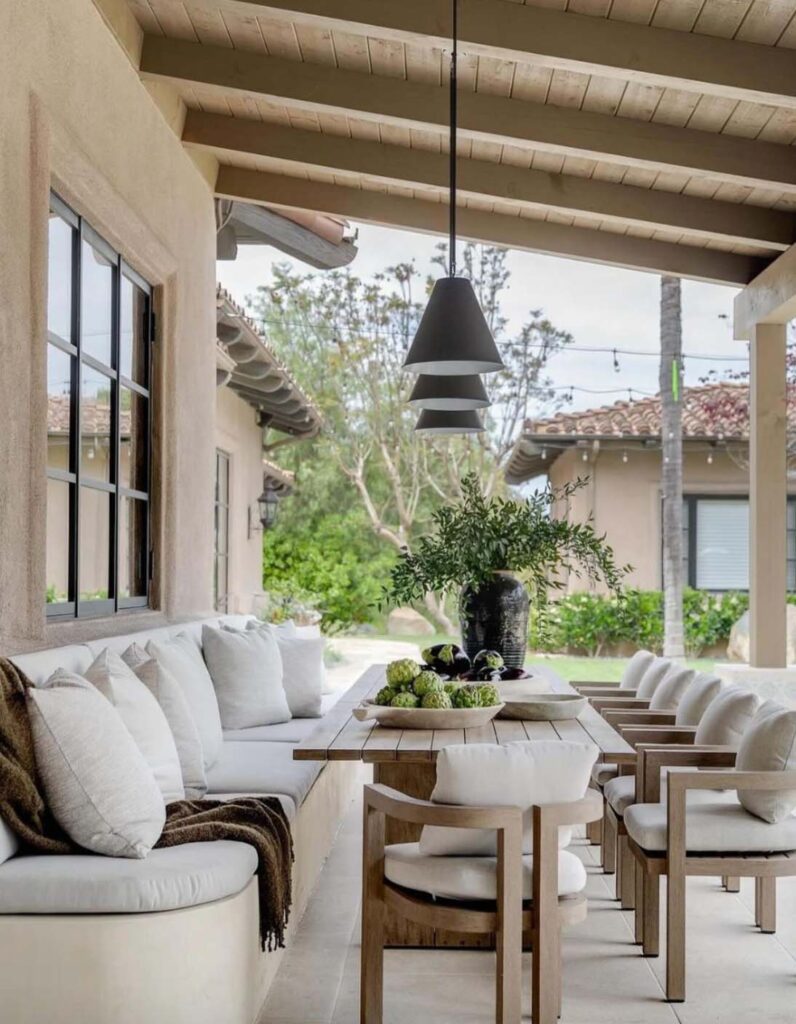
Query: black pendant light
x,y
449,393
453,336
432,421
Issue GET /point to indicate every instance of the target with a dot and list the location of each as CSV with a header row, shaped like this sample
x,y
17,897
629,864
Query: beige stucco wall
x,y
75,116
624,499
238,435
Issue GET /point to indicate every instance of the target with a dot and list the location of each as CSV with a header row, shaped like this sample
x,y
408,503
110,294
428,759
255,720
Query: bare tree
x,y
672,468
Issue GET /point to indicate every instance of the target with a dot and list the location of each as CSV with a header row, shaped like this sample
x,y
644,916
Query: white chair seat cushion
x,y
178,876
603,772
260,769
720,825
469,878
621,793
294,731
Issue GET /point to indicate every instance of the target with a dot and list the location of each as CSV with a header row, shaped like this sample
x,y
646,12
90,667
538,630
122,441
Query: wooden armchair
x,y
712,837
520,904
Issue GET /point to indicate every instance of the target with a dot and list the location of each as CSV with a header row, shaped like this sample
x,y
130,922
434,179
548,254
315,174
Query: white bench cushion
x,y
469,878
9,844
40,665
179,876
294,731
717,826
260,769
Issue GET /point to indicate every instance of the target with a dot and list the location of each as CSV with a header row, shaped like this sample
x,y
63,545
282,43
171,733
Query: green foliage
x,y
589,623
478,536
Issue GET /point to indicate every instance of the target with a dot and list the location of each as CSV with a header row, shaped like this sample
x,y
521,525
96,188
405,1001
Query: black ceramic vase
x,y
495,617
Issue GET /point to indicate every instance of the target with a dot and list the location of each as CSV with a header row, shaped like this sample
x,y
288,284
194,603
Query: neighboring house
x,y
617,450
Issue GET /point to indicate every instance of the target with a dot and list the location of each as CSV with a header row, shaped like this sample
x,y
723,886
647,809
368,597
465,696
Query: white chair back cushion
x,y
727,718
144,719
246,669
182,657
670,691
515,775
635,669
98,785
166,691
653,677
697,698
769,745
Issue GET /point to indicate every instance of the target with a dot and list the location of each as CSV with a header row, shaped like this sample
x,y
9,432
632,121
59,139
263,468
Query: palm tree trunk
x,y
672,468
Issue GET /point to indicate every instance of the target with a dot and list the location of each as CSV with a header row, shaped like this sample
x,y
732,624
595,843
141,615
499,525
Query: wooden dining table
x,y
404,759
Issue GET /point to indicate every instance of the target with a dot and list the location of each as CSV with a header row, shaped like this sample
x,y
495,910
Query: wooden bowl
x,y
548,707
425,718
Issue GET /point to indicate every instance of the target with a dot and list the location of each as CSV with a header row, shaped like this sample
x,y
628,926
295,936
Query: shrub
x,y
588,623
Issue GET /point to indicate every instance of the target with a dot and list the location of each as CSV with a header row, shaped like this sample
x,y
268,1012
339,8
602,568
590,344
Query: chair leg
x,y
626,874
731,883
546,959
651,912
638,917
766,904
609,846
594,832
371,991
675,935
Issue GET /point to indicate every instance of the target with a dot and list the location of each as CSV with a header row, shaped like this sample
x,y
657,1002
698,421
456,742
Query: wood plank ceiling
x,y
655,134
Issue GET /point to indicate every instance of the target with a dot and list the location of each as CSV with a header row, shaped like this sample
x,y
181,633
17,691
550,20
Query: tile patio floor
x,y
735,974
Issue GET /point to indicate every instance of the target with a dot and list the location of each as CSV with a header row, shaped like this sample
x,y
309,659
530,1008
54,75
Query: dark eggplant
x,y
488,675
513,673
448,659
488,659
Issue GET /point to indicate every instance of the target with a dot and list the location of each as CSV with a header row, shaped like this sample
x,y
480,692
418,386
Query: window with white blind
x,y
716,543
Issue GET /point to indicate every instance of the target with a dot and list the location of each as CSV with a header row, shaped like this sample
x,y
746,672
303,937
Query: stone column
x,y
767,497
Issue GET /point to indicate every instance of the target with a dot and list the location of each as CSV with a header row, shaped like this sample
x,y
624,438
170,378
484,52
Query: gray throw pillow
x,y
769,745
246,669
98,785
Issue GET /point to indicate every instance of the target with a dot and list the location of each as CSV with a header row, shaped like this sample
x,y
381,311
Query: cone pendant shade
x,y
449,393
432,421
453,337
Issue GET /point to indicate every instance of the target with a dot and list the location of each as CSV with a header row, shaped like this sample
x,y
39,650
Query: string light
x,y
544,454
710,458
624,456
585,456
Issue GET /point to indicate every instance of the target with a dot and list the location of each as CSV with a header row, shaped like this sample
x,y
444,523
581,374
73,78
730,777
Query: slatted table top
x,y
340,737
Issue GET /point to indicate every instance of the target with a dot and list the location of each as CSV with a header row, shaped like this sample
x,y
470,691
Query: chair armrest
x,y
638,716
654,756
660,734
598,689
574,812
401,807
619,703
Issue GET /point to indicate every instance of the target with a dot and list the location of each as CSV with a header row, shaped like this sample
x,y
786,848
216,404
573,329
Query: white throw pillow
x,y
727,718
697,699
166,691
143,717
670,691
769,745
523,774
246,668
635,670
98,785
287,628
653,678
290,629
181,656
302,674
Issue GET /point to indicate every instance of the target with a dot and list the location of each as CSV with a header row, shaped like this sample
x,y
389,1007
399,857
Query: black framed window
x,y
99,352
716,542
221,546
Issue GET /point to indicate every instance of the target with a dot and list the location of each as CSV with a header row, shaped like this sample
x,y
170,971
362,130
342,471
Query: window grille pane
x,y
58,512
95,424
133,554
723,545
93,544
59,409
132,336
96,305
133,431
59,279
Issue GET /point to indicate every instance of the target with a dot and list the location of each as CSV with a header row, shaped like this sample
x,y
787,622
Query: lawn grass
x,y
568,666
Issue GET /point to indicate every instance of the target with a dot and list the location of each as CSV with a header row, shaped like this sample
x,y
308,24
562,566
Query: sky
x,y
601,306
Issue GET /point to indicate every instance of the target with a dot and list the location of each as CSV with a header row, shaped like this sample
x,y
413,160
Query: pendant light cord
x,y
452,159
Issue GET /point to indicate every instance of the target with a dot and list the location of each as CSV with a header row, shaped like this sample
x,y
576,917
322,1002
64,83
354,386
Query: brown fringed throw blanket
x,y
259,821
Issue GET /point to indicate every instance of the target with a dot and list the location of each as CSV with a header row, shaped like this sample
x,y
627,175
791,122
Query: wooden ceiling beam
x,y
729,222
491,118
770,298
563,39
492,228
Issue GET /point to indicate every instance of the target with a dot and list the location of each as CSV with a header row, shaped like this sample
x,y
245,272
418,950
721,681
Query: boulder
x,y
408,622
738,646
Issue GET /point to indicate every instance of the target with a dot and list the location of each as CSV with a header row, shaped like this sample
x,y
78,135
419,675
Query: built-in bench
x,y
172,938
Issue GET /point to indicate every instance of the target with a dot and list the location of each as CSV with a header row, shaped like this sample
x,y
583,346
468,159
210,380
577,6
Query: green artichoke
x,y
436,699
451,687
405,700
468,696
402,673
385,695
490,695
427,682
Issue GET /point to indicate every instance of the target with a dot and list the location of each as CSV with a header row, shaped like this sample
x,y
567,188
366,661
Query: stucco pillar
x,y
767,497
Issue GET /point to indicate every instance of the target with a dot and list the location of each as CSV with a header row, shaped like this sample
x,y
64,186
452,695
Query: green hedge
x,y
590,623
